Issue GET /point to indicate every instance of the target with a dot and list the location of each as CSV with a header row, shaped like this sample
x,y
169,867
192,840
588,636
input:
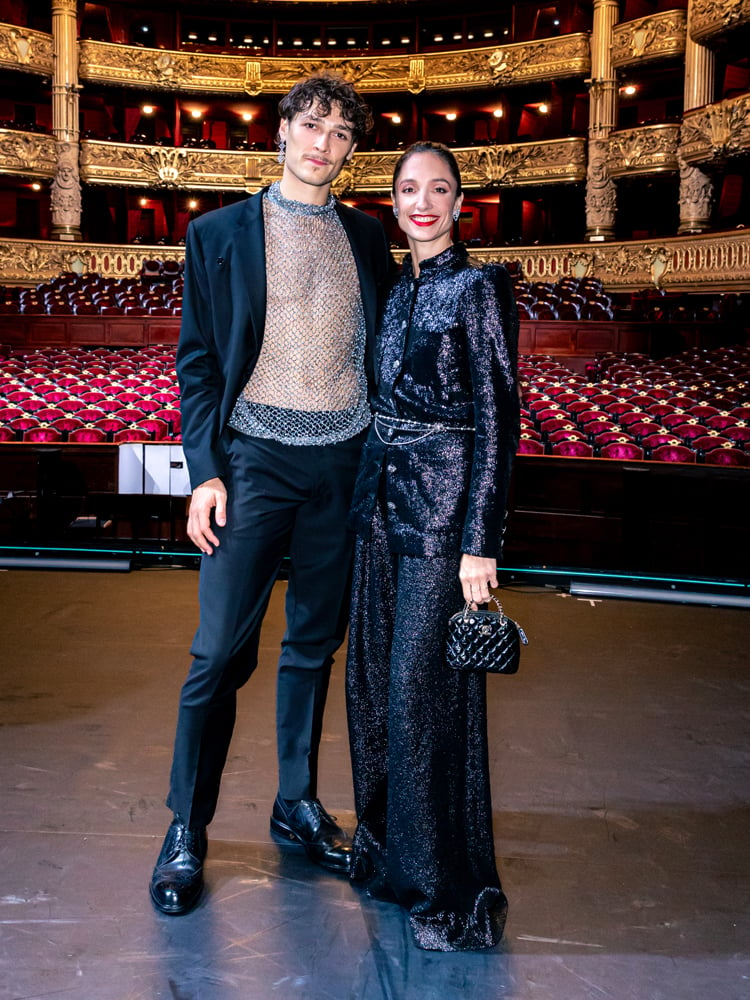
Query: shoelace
x,y
187,841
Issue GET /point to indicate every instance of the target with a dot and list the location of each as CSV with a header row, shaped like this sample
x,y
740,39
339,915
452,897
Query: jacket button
x,y
391,468
391,505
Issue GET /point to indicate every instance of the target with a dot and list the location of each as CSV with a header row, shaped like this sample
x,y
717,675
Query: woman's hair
x,y
429,147
320,92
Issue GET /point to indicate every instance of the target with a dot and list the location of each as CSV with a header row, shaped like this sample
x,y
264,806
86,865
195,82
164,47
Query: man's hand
x,y
477,574
209,496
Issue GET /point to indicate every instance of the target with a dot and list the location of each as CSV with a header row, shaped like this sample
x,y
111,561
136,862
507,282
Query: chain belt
x,y
417,430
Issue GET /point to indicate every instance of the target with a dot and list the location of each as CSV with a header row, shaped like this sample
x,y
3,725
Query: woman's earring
x,y
456,214
395,212
282,150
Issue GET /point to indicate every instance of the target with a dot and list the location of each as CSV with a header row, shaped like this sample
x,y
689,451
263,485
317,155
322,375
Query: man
x,y
279,312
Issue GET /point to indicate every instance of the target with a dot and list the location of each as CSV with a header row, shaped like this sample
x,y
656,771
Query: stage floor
x,y
620,790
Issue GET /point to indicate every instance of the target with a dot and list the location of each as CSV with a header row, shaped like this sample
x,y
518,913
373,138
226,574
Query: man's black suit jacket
x,y
223,317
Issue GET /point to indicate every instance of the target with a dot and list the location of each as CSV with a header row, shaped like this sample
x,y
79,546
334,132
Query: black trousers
x,y
281,499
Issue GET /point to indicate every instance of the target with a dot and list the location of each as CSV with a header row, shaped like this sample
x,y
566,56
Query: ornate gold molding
x,y
644,262
550,58
558,161
23,262
647,150
657,36
27,154
713,19
718,262
161,69
716,131
553,162
26,50
119,163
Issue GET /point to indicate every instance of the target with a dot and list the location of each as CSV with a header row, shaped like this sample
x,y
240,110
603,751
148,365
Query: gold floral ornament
x,y
501,162
346,182
505,63
717,131
164,66
166,167
23,45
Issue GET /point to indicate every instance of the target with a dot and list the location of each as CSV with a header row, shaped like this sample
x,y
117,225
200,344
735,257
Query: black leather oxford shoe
x,y
177,881
305,823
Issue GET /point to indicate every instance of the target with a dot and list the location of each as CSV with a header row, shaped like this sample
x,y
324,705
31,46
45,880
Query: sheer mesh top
x,y
308,385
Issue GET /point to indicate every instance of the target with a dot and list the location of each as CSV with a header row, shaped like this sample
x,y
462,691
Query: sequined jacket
x,y
446,355
223,317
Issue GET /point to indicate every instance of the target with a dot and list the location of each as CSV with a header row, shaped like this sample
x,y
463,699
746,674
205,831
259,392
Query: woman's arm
x,y
492,338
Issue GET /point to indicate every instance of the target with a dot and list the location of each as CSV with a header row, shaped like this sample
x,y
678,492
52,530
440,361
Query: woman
x,y
429,509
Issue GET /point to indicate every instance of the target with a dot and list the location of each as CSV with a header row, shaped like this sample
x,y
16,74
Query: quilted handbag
x,y
484,640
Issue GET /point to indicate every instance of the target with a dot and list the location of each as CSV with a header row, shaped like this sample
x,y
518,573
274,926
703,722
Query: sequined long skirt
x,y
418,733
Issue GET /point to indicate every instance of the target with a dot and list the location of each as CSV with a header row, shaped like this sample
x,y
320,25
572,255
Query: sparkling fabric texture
x,y
428,490
447,355
308,385
419,752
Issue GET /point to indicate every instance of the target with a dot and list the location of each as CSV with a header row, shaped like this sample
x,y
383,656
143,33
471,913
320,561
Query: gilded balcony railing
x,y
712,262
25,50
712,20
27,154
716,131
208,73
557,161
658,36
649,149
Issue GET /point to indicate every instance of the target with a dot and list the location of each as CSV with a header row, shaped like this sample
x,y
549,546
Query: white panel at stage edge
x,y
155,469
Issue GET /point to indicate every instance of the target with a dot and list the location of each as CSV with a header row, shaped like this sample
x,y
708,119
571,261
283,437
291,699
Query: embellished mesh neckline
x,y
298,207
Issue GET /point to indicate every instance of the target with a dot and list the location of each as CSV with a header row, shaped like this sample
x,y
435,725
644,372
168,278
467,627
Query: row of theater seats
x,y
35,127
694,407
190,142
90,396
691,408
157,291
571,298
568,299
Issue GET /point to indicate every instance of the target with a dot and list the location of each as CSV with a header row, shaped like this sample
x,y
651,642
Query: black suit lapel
x,y
361,250
250,251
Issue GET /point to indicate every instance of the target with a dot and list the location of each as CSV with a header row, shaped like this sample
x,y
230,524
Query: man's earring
x,y
282,150
395,212
456,214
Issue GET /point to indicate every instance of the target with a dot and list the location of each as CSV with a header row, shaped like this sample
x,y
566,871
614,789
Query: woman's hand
x,y
207,499
477,574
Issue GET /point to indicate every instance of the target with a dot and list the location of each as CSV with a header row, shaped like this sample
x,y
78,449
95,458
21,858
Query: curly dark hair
x,y
321,91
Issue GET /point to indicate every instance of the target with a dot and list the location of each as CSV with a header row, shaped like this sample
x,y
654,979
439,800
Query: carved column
x,y
66,188
696,187
601,196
